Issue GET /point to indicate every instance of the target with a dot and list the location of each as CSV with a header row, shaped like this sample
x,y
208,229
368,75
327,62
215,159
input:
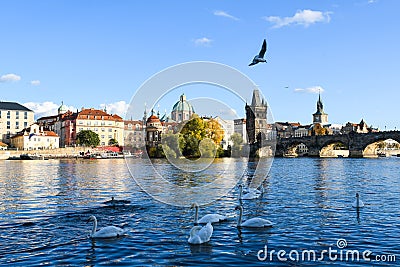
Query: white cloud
x,y
224,14
120,108
10,78
45,109
35,82
304,17
202,41
311,90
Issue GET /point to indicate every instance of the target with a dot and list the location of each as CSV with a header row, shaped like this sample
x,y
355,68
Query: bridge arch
x,y
334,148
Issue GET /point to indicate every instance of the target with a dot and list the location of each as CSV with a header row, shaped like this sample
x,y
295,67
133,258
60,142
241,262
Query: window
x,y
102,136
25,124
8,125
110,130
0,113
17,125
17,115
8,114
137,127
103,130
25,115
109,136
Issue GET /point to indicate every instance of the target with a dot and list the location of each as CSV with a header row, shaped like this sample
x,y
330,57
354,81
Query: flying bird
x,y
260,57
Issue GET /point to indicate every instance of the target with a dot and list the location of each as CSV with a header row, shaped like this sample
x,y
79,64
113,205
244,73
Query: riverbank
x,y
67,152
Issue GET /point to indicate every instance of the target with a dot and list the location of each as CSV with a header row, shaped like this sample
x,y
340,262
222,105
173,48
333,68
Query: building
x,y
154,130
256,118
13,118
361,127
35,138
320,117
67,124
182,110
229,129
134,134
240,128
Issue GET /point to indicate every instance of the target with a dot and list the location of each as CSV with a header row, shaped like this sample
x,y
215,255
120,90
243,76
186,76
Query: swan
x,y
253,222
358,202
114,202
106,232
252,194
212,218
200,235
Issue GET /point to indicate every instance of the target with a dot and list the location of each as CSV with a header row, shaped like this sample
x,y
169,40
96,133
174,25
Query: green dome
x,y
62,109
183,105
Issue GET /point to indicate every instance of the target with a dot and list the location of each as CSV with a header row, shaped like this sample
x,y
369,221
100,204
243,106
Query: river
x,y
45,204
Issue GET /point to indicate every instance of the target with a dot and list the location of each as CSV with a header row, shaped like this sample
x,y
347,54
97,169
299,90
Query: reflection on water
x,y
44,206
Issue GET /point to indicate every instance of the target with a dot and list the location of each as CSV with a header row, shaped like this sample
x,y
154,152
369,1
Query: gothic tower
x,y
256,117
320,116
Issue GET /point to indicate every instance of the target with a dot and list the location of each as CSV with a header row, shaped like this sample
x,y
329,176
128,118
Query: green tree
x,y
112,142
87,138
237,140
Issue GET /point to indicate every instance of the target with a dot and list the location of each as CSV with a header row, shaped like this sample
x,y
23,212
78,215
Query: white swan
x,y
358,202
200,235
252,194
253,222
106,232
212,218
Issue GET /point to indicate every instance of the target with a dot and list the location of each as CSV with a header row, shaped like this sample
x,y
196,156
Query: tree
x,y
196,130
112,142
237,140
87,138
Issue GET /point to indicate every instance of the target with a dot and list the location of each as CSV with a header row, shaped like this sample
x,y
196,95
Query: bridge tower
x,y
256,117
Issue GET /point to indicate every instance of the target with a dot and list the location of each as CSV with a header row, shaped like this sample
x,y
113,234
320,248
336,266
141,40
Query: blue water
x,y
44,206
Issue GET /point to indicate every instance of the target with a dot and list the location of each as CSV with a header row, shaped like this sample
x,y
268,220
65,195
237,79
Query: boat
x,y
381,154
31,157
340,156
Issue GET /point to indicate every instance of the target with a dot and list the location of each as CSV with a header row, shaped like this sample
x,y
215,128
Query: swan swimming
x,y
212,218
200,235
114,202
252,194
106,232
253,222
358,202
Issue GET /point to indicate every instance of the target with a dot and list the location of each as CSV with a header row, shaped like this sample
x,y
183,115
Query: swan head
x,y
239,207
357,195
91,218
194,205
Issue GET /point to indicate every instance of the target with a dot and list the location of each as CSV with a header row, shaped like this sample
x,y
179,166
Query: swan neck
x,y
196,215
94,226
358,201
239,222
240,192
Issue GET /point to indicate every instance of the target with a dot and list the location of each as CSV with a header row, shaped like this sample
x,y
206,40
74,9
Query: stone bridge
x,y
356,142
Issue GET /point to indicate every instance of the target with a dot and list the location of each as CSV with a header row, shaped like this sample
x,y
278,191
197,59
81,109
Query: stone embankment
x,y
68,152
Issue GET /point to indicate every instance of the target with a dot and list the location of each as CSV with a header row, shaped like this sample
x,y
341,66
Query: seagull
x,y
260,57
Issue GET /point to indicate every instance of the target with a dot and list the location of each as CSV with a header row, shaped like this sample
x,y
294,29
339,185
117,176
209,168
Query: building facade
x,y
134,134
240,128
35,138
229,128
13,118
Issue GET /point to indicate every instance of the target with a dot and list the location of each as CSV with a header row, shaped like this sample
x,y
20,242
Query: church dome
x,y
62,109
183,105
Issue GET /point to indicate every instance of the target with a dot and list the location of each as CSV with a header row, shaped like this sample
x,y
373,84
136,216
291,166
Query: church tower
x,y
256,117
320,116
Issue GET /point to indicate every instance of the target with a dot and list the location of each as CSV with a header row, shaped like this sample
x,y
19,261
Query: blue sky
x,y
96,53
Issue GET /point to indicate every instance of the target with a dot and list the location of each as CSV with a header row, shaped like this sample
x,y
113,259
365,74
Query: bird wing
x,y
263,49
206,232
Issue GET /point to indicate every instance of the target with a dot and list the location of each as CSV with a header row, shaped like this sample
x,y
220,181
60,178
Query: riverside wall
x,y
68,152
